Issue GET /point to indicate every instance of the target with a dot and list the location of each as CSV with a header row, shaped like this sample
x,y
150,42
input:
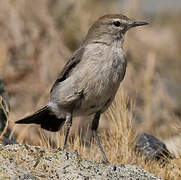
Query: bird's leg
x,y
95,124
68,124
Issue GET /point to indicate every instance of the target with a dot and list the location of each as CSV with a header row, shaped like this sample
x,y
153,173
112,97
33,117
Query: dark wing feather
x,y
72,62
44,117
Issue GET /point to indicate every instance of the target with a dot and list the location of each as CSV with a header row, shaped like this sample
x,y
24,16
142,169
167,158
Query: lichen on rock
x,y
32,162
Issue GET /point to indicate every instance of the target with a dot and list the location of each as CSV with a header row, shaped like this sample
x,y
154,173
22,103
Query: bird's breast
x,y
104,72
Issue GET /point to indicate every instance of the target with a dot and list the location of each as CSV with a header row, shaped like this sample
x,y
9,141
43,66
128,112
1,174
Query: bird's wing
x,y
72,62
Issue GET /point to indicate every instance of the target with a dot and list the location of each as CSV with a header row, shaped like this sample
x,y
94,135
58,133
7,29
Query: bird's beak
x,y
136,23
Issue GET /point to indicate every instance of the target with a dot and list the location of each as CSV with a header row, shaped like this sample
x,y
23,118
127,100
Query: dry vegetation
x,y
37,37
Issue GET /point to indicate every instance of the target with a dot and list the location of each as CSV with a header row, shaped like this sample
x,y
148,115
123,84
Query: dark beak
x,y
137,23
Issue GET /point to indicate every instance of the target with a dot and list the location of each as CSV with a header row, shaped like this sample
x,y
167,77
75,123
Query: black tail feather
x,y
44,118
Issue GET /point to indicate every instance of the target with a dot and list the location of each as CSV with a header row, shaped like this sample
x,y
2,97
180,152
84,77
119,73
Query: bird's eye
x,y
117,23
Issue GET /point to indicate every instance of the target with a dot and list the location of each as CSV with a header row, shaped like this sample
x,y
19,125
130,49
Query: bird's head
x,y
111,27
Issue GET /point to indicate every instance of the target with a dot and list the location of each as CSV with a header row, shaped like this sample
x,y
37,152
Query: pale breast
x,y
93,83
104,72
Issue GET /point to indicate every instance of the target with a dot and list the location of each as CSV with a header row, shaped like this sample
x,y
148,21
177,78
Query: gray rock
x,y
4,111
31,162
4,108
152,148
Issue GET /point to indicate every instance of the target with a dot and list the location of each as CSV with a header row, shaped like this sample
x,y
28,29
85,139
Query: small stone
x,y
152,148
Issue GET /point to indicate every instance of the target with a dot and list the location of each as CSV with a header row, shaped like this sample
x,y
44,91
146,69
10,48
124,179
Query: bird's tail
x,y
44,118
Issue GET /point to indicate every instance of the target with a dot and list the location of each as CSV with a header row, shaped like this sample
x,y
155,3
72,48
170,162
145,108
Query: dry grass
x,y
118,141
32,38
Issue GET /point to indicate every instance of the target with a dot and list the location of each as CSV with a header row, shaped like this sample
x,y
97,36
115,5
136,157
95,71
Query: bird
x,y
89,80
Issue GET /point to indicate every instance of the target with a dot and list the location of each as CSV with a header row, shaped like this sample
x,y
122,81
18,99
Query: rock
x,y
152,148
4,111
32,162
4,108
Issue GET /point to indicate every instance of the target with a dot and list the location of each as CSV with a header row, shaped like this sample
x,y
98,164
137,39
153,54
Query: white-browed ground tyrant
x,y
90,79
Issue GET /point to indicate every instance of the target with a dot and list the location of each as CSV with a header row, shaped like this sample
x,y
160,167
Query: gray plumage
x,y
90,79
88,85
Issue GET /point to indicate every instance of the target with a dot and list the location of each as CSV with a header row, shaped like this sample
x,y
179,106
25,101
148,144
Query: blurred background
x,y
38,37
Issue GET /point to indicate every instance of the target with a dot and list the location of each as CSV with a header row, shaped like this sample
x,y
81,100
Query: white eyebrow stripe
x,y
116,19
120,20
